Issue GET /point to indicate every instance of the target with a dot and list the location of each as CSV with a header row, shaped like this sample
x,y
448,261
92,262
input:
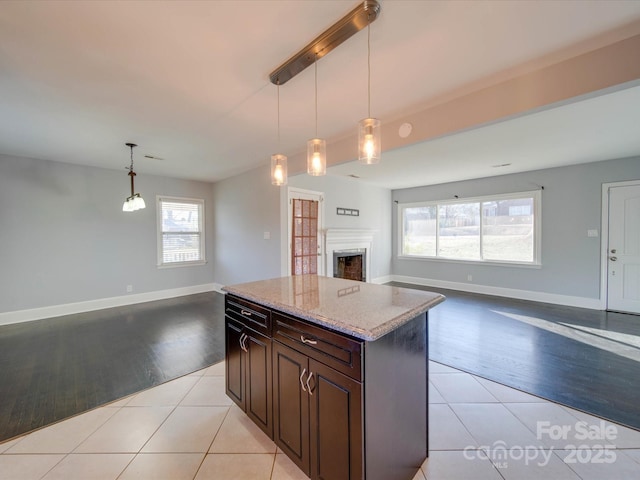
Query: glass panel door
x,y
304,242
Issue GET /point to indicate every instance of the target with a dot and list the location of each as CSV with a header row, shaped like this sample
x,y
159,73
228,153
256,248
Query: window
x,y
180,231
497,229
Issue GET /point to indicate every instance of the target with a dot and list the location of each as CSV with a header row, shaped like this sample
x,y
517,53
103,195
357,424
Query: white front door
x,y
623,264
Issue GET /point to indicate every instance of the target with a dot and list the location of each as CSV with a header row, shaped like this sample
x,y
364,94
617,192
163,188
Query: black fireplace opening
x,y
350,264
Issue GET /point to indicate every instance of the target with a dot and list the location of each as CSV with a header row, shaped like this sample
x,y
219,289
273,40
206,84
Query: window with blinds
x,y
180,231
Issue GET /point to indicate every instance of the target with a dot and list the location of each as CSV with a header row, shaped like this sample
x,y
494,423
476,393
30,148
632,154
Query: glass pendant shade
x,y
316,157
138,202
278,169
133,203
369,141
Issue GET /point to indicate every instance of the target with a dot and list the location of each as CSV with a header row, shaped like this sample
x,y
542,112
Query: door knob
x,y
613,259
613,250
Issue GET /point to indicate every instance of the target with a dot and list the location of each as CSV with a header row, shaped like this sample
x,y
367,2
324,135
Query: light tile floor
x,y
188,429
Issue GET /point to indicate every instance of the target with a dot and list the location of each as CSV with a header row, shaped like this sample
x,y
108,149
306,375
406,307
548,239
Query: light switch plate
x,y
592,233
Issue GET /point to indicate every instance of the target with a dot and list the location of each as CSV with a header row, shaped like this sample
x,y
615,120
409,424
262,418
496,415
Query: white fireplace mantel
x,y
346,239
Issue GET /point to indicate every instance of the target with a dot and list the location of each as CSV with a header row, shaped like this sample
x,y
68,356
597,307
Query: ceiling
x,y
189,83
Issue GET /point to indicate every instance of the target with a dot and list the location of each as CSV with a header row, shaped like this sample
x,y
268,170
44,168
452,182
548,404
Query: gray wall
x,y
65,239
248,205
571,204
245,207
375,207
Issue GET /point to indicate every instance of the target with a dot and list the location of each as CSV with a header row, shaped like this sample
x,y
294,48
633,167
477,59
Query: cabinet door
x,y
291,404
258,380
235,362
336,425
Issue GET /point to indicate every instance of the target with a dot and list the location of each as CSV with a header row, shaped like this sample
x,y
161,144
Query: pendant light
x,y
369,131
316,147
278,161
135,201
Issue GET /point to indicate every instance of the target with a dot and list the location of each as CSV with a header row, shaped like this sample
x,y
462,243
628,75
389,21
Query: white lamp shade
x,y
138,202
316,157
131,204
278,169
369,141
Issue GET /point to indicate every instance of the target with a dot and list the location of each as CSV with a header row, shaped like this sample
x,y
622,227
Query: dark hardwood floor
x,y
582,358
55,368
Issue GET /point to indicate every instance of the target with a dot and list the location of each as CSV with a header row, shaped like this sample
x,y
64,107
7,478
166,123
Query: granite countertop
x,y
363,310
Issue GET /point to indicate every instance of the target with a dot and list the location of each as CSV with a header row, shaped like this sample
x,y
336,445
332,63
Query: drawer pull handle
x,y
306,340
245,313
304,370
308,379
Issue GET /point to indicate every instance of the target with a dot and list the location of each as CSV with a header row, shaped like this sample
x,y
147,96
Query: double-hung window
x,y
496,229
180,231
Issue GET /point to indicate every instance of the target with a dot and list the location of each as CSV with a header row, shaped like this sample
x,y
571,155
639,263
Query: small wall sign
x,y
348,211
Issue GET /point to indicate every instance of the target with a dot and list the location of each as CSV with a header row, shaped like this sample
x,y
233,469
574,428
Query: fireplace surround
x,y
347,241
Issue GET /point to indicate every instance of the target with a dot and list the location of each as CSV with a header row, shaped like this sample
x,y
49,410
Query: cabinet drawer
x,y
337,351
254,316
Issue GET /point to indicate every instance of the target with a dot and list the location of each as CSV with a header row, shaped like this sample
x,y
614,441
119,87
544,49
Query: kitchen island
x,y
335,372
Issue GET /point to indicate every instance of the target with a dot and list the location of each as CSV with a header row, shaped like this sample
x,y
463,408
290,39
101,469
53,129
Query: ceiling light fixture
x,y
369,131
354,21
361,16
278,160
316,147
135,201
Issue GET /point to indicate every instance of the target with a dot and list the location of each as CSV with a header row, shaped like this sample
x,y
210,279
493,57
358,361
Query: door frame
x,y
286,214
604,239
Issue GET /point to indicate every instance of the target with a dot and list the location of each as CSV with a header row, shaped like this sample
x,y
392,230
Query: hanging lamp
x,y
278,160
316,147
369,131
135,201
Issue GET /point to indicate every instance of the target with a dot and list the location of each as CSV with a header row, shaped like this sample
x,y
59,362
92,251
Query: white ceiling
x,y
600,128
188,82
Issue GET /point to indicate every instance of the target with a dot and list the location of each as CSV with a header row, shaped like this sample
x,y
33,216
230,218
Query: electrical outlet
x,y
129,288
469,278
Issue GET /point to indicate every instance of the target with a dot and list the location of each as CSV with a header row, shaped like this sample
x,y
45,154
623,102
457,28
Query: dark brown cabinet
x,y
291,404
341,408
335,424
248,362
317,409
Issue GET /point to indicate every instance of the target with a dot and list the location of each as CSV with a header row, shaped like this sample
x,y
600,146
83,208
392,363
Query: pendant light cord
x,y
278,84
369,66
315,63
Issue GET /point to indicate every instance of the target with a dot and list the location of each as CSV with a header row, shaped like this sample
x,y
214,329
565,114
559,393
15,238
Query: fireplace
x,y
350,264
344,243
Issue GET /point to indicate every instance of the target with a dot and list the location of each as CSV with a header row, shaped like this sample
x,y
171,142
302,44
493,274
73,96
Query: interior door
x,y
623,285
305,248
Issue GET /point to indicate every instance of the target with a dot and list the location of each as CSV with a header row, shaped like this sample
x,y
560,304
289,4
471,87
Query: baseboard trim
x,y
383,279
217,287
29,315
544,297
